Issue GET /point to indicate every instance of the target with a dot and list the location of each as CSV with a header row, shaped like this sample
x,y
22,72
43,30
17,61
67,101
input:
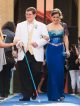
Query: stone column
x,y
6,11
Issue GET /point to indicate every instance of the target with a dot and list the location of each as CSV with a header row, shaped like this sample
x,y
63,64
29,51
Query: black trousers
x,y
5,76
27,87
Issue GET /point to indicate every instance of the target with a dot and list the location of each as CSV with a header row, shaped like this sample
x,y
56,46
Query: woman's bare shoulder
x,y
49,26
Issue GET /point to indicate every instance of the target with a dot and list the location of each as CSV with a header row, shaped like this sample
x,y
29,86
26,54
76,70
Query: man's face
x,y
30,16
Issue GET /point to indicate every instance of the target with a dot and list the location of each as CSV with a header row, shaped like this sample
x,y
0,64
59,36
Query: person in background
x,y
42,87
74,68
55,55
32,35
3,44
79,56
7,29
43,77
79,48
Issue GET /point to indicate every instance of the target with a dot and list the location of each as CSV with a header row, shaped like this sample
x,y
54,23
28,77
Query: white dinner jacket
x,y
39,31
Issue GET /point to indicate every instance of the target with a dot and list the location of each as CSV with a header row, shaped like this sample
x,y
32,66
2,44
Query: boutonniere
x,y
35,26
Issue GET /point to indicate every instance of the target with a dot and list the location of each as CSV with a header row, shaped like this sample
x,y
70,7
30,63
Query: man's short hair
x,y
31,9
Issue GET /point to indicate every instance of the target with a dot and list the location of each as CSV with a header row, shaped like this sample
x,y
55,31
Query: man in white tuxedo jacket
x,y
33,35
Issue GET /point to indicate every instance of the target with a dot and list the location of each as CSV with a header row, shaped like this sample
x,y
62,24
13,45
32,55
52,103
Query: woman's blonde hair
x,y
57,11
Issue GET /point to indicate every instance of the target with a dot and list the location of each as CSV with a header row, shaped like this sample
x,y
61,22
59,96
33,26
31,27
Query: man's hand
x,y
19,44
34,44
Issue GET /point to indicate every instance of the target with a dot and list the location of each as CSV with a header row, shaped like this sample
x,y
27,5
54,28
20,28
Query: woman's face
x,y
55,18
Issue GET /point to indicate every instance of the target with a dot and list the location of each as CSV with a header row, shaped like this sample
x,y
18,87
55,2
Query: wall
x,y
6,11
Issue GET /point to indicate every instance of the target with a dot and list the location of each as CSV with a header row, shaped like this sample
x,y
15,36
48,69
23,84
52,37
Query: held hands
x,y
18,43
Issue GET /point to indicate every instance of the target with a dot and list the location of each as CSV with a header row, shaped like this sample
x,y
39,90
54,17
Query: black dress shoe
x,y
24,99
34,97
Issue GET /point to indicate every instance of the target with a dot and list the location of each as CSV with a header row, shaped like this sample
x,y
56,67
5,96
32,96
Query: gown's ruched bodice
x,y
56,36
55,63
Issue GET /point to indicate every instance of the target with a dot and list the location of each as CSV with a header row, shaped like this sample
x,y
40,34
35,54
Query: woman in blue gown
x,y
55,58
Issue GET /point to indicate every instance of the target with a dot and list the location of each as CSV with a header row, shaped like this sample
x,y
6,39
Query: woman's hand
x,y
46,38
67,53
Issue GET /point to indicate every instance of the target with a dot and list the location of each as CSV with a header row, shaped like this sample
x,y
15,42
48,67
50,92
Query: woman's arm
x,y
66,42
5,45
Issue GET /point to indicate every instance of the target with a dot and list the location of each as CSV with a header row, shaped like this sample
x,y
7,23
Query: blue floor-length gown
x,y
55,62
